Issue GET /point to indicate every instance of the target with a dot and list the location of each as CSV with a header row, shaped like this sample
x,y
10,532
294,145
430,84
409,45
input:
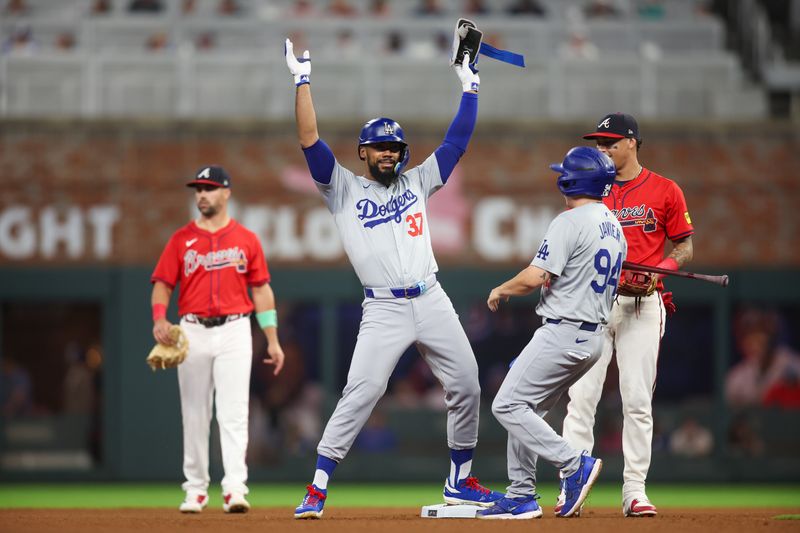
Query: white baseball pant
x,y
217,369
635,336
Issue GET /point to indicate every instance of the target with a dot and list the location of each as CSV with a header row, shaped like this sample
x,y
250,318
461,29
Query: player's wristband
x,y
470,86
669,263
267,319
159,312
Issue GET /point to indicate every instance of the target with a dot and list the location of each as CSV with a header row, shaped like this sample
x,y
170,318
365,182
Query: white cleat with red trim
x,y
194,503
640,507
235,503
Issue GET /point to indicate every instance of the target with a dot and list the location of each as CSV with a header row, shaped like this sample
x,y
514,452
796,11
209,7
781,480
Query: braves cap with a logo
x,y
212,175
616,126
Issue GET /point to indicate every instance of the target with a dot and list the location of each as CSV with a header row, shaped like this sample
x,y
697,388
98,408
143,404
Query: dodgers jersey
x,y
651,209
384,230
583,249
213,269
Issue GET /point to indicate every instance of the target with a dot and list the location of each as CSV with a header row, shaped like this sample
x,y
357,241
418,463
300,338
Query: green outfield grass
x,y
111,495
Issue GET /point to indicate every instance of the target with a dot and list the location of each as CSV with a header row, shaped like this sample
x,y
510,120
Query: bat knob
x,y
725,280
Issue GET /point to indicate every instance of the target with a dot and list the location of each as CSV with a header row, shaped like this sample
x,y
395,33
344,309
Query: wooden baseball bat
x,y
718,280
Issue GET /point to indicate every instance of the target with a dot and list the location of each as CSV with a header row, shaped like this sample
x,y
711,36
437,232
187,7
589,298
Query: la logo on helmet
x,y
388,129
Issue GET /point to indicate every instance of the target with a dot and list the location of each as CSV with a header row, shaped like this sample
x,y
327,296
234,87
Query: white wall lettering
x,y
504,231
53,233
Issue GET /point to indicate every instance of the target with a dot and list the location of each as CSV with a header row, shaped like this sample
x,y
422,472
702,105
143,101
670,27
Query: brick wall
x,y
112,193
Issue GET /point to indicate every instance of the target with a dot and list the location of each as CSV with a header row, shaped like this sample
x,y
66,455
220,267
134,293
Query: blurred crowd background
x,y
107,106
676,58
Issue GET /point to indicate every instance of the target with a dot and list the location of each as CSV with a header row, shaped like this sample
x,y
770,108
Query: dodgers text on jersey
x,y
375,214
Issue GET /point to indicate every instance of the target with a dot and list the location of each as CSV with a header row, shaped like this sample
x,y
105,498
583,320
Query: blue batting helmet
x,y
585,171
381,130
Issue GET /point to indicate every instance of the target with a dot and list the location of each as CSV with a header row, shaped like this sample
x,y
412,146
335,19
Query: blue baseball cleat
x,y
312,504
512,509
469,491
578,485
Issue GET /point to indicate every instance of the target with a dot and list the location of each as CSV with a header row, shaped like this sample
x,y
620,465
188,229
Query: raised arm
x,y
318,155
306,116
303,106
460,130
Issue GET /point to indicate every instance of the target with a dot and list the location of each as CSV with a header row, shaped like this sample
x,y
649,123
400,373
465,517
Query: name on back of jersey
x,y
609,229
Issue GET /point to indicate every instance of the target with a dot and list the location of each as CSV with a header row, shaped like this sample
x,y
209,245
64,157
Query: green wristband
x,y
267,319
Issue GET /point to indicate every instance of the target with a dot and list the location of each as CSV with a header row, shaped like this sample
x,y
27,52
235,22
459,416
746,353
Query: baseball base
x,y
443,510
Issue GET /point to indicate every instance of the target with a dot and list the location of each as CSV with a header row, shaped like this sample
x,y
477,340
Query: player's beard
x,y
384,177
208,210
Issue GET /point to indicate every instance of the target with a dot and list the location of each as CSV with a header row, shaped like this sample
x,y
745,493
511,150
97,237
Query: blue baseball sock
x,y
325,468
460,465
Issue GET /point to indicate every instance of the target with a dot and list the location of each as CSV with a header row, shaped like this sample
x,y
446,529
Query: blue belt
x,y
403,292
585,326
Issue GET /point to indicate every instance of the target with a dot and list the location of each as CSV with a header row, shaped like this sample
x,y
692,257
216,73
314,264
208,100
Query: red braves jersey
x,y
213,269
651,209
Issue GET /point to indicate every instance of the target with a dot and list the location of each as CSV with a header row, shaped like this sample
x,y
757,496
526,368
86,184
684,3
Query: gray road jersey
x,y
385,230
585,248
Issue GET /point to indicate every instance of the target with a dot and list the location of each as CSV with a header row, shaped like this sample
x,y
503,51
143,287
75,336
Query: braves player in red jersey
x,y
651,210
214,259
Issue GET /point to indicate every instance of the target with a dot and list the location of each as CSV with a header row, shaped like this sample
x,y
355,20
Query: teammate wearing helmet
x,y
383,223
577,266
651,209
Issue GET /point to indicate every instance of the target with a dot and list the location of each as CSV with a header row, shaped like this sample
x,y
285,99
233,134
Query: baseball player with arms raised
x,y
577,267
382,220
651,210
215,260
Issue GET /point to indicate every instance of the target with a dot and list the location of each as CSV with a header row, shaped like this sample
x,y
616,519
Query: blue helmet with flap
x,y
382,130
585,171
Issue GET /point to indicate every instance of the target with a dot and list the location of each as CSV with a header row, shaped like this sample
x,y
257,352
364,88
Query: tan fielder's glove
x,y
637,283
169,356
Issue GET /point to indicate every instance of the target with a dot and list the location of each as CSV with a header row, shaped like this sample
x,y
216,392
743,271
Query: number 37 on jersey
x,y
415,223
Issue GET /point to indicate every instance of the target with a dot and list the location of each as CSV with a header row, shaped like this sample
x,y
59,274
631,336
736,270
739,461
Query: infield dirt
x,y
387,520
